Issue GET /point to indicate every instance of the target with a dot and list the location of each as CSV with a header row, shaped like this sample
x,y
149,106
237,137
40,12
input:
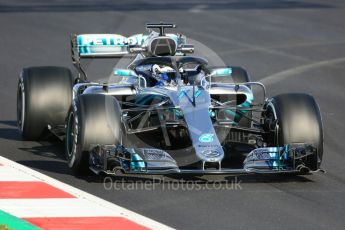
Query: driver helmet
x,y
164,75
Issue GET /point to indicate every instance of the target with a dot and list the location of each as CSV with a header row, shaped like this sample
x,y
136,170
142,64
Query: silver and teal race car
x,y
167,112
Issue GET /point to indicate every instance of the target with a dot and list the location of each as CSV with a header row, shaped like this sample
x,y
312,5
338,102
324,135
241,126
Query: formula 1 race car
x,y
167,113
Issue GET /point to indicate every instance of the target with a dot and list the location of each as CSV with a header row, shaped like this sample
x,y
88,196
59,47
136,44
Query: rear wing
x,y
110,45
101,45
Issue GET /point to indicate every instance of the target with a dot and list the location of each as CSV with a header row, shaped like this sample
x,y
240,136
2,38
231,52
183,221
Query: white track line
x,y
11,174
97,203
54,207
277,77
198,9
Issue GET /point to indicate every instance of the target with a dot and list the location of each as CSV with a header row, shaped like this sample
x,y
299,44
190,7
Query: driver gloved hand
x,y
163,79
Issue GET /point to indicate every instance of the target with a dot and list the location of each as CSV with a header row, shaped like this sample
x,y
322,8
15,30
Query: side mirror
x,y
125,73
221,72
128,76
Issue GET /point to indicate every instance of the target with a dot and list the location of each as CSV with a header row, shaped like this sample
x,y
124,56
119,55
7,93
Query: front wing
x,y
118,160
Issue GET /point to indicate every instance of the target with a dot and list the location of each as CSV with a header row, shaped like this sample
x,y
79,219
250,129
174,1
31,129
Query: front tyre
x,y
94,119
299,120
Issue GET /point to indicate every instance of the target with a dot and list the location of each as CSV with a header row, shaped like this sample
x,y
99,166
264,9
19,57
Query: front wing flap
x,y
287,159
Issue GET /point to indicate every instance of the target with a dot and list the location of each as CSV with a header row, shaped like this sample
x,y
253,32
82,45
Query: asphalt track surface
x,y
291,46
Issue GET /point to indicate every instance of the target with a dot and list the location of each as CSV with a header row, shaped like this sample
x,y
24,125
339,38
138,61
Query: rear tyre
x,y
94,119
44,96
299,120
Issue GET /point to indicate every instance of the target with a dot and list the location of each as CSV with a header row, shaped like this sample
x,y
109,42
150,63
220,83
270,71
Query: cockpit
x,y
171,71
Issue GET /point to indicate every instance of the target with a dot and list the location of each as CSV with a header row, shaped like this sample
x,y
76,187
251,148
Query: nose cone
x,y
200,126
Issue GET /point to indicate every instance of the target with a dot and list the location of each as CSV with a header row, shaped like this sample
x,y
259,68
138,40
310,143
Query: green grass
x,y
9,222
4,227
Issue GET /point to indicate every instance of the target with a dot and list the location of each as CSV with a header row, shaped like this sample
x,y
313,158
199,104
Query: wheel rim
x,y
272,115
70,134
20,106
